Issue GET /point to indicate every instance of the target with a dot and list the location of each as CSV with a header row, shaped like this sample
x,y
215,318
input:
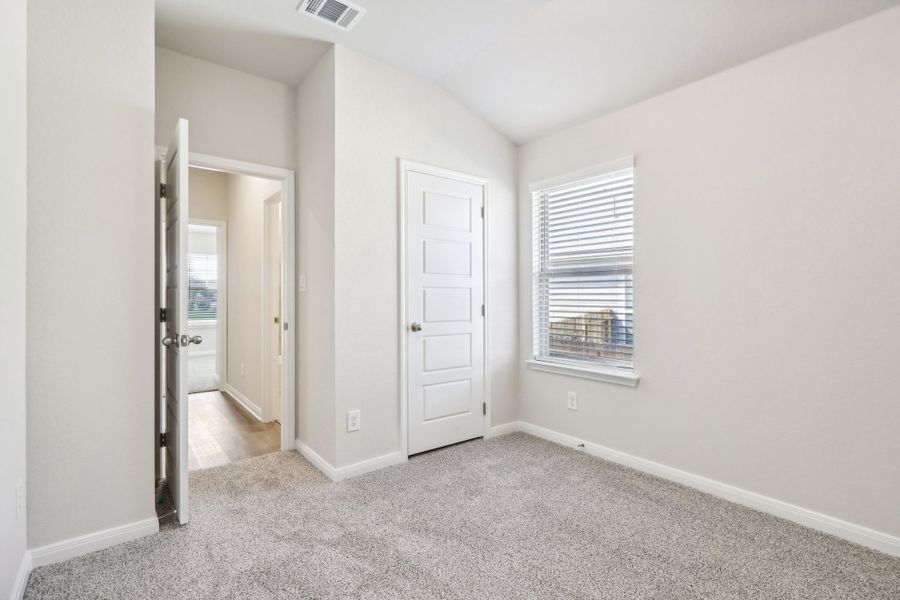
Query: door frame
x,y
265,338
404,167
222,299
288,244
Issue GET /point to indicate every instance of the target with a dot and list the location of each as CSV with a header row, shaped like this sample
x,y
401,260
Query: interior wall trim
x,y
243,400
91,542
21,582
852,532
340,473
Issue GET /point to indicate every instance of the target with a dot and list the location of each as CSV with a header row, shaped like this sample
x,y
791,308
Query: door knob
x,y
415,327
196,339
170,341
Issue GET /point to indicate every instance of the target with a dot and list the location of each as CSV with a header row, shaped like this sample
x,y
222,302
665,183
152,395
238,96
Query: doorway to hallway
x,y
220,431
218,400
234,317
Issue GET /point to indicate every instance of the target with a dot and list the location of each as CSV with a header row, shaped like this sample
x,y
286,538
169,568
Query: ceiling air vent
x,y
339,14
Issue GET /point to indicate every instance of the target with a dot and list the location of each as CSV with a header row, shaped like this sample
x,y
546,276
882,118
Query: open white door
x,y
177,339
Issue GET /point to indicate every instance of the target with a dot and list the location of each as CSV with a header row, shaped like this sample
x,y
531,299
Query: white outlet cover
x,y
20,498
572,401
353,420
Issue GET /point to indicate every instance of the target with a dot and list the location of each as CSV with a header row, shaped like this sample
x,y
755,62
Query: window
x,y
583,259
203,284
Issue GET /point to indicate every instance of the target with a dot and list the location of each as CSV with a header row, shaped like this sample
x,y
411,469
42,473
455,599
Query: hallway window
x,y
203,307
203,293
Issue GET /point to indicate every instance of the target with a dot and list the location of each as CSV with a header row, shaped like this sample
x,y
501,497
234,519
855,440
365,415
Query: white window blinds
x,y
203,284
583,258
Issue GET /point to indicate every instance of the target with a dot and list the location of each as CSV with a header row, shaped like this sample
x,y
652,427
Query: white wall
x,y
232,114
90,189
238,116
315,259
383,114
12,300
245,227
766,288
208,192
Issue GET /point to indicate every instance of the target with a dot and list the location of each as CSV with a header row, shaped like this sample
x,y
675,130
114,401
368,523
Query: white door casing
x,y
444,297
288,233
176,327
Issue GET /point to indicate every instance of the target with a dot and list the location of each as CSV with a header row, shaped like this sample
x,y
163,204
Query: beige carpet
x,y
513,517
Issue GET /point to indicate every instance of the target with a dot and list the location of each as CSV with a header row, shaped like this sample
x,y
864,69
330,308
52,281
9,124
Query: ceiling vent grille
x,y
339,14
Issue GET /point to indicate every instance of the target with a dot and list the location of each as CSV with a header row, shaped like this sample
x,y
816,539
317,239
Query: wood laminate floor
x,y
220,431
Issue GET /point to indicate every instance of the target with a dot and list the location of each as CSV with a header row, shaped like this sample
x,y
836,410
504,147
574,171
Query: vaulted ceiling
x,y
529,67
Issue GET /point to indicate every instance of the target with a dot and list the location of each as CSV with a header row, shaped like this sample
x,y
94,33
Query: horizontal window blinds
x,y
203,284
583,279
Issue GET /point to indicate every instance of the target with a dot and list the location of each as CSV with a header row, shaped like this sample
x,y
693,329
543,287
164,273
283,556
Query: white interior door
x,y
445,295
177,339
273,317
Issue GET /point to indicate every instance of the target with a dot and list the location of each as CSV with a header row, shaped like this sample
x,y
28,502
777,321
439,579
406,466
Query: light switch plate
x,y
353,420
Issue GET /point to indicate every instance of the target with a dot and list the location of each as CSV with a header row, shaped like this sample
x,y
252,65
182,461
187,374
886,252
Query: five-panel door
x,y
445,297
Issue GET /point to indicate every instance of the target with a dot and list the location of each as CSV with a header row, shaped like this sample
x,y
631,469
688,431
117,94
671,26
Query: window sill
x,y
605,374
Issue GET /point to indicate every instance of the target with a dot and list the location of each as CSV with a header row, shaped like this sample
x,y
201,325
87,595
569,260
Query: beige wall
x,y
238,200
766,288
12,299
245,276
90,189
232,114
383,114
208,193
315,259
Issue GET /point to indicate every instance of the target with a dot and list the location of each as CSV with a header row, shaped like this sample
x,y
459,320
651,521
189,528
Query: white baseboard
x,y
92,542
864,536
369,465
316,460
503,429
243,400
338,473
21,582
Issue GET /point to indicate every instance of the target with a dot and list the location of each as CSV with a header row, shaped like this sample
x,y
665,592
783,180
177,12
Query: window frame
x,y
602,369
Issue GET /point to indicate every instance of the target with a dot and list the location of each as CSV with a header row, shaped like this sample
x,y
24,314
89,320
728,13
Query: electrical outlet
x,y
572,401
242,369
353,420
301,282
20,499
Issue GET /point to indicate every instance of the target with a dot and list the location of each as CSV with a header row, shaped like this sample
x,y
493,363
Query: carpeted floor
x,y
512,517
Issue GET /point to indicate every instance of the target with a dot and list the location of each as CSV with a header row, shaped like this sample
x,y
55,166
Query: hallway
x,y
222,432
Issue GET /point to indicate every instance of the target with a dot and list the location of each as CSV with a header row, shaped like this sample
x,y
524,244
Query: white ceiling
x,y
529,67
270,38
